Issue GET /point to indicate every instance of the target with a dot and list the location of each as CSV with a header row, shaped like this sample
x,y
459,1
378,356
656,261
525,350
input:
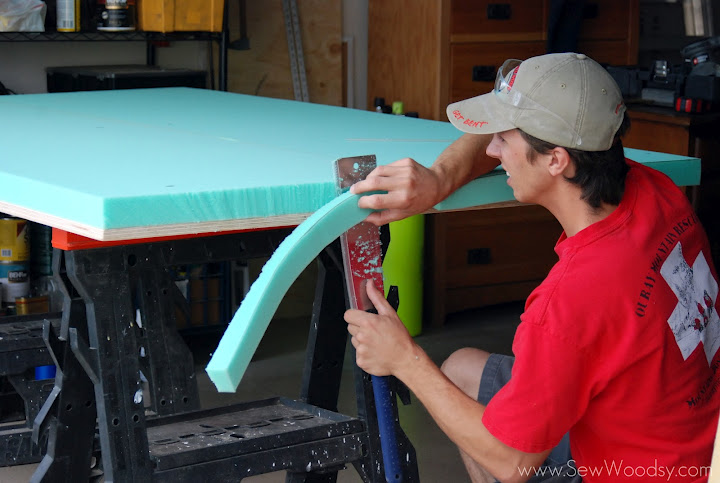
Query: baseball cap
x,y
566,99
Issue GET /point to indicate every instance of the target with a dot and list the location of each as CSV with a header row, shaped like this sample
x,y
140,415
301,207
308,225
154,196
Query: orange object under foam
x,y
65,240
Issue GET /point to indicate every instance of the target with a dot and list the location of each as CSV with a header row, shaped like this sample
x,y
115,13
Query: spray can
x,y
68,15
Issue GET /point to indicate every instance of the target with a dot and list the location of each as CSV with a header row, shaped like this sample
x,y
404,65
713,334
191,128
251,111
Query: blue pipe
x,y
386,425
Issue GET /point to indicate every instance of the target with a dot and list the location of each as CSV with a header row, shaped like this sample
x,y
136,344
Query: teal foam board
x,y
193,155
241,338
149,157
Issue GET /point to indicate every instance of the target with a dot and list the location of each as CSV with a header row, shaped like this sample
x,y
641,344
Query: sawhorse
x,y
102,346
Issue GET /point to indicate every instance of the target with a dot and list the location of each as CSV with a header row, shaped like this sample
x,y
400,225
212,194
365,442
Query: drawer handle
x,y
590,10
499,11
479,256
483,73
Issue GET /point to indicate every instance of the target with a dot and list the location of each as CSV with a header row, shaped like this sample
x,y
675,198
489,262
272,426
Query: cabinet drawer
x,y
484,58
493,18
614,52
499,246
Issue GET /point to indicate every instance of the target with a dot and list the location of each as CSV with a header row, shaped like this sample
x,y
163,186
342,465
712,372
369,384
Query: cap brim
x,y
483,114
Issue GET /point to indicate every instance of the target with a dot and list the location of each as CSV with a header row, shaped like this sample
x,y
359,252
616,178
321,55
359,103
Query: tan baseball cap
x,y
565,99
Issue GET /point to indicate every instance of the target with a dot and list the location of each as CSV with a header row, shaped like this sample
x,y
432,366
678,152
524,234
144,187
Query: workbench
x,y
135,181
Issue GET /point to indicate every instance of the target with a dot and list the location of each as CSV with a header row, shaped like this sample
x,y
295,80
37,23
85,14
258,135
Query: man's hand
x,y
411,189
382,343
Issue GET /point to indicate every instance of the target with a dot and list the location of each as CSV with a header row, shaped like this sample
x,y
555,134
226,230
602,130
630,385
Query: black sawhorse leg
x,y
98,357
118,321
68,414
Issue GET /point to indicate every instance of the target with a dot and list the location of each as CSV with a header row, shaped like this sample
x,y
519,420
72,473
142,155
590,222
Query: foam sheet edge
x,y
242,337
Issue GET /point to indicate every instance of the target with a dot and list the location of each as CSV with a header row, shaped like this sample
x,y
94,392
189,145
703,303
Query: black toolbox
x,y
108,77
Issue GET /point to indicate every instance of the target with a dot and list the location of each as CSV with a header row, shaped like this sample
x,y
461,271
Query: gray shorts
x,y
557,468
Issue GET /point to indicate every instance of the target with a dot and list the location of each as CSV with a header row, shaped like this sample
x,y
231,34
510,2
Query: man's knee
x,y
464,368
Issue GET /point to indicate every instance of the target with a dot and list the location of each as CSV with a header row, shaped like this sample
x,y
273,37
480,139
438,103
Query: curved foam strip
x,y
241,338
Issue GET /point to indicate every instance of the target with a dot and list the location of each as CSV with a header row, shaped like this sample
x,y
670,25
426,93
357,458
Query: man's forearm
x,y
463,161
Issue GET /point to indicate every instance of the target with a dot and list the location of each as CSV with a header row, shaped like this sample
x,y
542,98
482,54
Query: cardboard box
x,y
156,15
199,15
180,15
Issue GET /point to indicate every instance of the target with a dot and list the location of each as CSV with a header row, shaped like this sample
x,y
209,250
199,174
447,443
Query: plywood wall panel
x,y
264,70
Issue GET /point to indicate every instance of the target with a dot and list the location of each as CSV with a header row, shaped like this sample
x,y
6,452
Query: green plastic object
x,y
243,335
403,267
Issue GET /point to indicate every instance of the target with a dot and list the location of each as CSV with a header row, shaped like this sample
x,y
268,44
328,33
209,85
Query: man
x,y
619,345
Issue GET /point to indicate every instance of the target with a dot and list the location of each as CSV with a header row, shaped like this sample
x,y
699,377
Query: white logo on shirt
x,y
694,319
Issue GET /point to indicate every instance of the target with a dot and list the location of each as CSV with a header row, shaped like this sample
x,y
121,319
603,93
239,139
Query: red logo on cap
x,y
472,123
512,78
457,115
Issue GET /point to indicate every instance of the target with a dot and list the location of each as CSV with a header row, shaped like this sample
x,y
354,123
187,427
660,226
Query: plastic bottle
x,y
379,103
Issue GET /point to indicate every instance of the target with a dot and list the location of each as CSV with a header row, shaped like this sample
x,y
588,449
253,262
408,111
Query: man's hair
x,y
599,174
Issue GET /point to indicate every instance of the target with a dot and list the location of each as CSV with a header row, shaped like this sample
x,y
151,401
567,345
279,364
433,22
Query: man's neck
x,y
591,216
574,214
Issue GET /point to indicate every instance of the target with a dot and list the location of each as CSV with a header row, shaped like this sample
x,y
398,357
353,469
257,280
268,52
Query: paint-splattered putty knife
x,y
362,260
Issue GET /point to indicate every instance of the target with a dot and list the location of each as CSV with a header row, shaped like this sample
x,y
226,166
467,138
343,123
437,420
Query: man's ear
x,y
560,162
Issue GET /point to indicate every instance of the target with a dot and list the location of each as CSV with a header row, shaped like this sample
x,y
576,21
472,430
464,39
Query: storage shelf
x,y
140,36
106,36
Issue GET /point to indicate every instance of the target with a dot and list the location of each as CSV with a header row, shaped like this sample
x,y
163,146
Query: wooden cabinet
x,y
429,53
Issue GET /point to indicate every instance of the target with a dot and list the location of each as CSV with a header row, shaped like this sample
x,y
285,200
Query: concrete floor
x,y
277,367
